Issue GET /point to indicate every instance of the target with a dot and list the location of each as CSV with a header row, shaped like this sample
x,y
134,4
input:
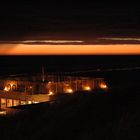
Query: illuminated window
x,y
68,90
29,102
9,102
87,88
7,88
15,102
51,93
22,102
103,86
3,103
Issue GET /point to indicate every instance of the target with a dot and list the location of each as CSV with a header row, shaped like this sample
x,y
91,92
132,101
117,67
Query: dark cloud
x,y
71,17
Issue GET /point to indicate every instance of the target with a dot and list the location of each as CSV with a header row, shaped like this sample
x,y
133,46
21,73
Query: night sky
x,y
106,44
74,19
69,20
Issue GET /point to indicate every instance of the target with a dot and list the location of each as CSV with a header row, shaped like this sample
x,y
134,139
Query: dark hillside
x,y
113,115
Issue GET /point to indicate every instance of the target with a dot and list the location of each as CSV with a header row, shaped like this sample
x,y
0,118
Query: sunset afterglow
x,y
27,49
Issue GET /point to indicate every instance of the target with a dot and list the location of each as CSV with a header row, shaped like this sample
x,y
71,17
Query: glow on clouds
x,y
26,49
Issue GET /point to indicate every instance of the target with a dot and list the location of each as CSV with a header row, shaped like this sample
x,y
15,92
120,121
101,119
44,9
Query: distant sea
x,y
61,63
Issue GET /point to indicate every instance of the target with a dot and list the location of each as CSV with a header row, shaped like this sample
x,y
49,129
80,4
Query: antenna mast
x,y
43,74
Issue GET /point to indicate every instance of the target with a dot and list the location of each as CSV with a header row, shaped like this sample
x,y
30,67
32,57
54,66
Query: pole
x,y
43,74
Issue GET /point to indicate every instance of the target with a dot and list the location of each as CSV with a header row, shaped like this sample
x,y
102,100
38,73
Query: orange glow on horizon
x,y
26,49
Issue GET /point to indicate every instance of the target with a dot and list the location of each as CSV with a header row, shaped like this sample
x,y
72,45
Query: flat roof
x,y
24,96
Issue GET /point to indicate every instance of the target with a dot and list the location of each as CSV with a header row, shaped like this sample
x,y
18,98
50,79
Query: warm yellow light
x,y
11,84
86,88
103,86
6,89
69,90
51,93
2,112
35,102
23,103
29,102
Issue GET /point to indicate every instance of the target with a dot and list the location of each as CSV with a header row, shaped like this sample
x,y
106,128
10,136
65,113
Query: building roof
x,y
24,96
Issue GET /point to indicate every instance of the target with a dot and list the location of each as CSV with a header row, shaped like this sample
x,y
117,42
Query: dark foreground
x,y
114,115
